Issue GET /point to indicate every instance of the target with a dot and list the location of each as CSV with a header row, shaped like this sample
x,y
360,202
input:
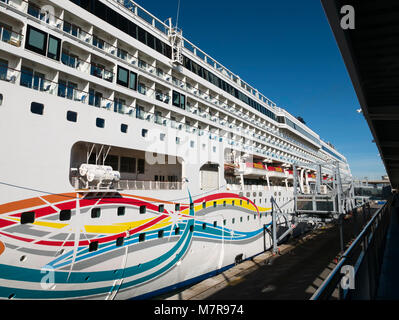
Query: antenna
x,y
177,14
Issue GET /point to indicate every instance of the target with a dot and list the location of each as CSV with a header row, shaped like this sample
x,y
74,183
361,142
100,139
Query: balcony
x,y
162,97
74,62
99,71
77,32
10,37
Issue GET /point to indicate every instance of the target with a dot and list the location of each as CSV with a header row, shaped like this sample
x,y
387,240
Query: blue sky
x,y
287,51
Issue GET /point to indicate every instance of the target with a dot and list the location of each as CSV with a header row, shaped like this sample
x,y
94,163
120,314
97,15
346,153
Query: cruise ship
x,y
133,163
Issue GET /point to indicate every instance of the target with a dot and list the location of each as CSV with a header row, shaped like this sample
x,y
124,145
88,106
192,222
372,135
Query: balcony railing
x,y
10,37
77,32
74,62
101,73
132,185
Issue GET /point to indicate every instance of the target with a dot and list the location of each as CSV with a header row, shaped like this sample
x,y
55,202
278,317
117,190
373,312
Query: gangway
x,y
315,203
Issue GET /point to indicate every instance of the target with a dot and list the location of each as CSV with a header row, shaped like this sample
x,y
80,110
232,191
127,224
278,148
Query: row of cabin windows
x,y
93,246
210,77
65,215
126,25
50,46
109,15
72,116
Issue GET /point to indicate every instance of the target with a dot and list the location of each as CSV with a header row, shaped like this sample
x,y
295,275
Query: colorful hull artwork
x,y
120,246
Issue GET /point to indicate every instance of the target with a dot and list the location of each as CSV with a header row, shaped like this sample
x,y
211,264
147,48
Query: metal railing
x,y
10,37
364,255
130,185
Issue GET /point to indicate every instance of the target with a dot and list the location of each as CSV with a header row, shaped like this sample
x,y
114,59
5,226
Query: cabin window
x,y
144,133
191,228
27,217
124,128
133,80
160,233
120,241
215,223
143,209
204,226
95,213
122,77
141,237
65,215
72,116
121,211
161,208
54,48
177,207
100,122
37,108
179,100
177,231
36,40
93,246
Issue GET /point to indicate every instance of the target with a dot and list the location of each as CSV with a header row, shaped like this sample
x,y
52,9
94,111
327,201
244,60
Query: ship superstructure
x,y
130,154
